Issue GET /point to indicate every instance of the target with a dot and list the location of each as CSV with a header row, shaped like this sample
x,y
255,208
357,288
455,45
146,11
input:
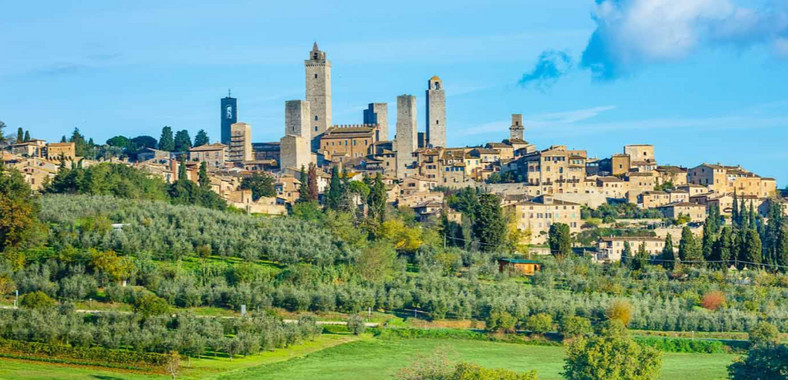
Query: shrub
x,y
713,300
539,323
36,300
574,326
150,305
619,311
355,324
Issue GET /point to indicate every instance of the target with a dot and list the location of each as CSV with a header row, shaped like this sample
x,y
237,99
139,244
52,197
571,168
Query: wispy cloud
x,y
540,120
551,66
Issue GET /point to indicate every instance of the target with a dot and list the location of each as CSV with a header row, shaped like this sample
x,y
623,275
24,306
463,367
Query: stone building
x,y
296,153
611,248
436,113
214,155
378,114
342,142
726,179
54,151
405,142
517,129
318,90
538,214
32,148
297,119
640,152
229,116
696,212
240,149
556,169
675,175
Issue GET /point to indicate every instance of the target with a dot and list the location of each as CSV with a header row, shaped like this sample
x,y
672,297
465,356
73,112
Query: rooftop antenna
x,y
229,94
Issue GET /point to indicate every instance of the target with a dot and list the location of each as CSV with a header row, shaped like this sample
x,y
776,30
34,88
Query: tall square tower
x,y
240,142
436,113
517,129
229,116
406,141
297,119
318,90
378,113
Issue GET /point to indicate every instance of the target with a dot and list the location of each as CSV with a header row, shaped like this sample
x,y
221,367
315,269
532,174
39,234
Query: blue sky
x,y
702,80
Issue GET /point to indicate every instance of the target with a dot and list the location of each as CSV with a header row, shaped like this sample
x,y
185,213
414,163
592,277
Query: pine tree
x,y
303,187
668,255
689,249
183,142
626,255
201,138
166,141
203,178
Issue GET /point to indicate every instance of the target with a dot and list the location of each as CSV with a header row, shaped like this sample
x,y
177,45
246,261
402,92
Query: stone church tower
x,y
318,90
436,113
517,130
405,142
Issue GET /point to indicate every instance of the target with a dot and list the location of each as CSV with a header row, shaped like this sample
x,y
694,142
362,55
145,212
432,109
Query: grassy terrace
x,y
348,357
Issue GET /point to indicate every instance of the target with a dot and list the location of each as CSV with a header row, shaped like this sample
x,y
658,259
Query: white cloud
x,y
632,32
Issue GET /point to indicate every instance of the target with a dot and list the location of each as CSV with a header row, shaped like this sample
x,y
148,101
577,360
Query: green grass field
x,y
370,358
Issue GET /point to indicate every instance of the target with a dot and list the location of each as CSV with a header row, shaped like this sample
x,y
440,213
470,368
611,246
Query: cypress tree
x,y
735,216
312,185
20,135
626,255
752,251
303,187
182,171
334,196
689,249
166,141
707,242
377,199
27,136
668,255
722,248
203,178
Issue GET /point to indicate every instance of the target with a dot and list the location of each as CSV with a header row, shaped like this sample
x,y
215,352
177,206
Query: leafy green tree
x,y
376,262
559,238
356,324
3,126
141,142
668,255
261,184
37,300
500,321
489,225
183,142
539,323
764,333
689,249
201,138
202,176
574,326
763,363
166,141
18,208
149,305
611,355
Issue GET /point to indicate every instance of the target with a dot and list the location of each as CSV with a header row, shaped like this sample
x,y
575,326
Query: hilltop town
x,y
537,186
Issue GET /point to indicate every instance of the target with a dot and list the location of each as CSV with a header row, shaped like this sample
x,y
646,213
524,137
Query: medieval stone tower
x,y
436,113
318,90
378,113
517,130
405,142
297,119
295,146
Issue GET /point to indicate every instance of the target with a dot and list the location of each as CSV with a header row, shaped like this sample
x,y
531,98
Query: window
x,y
315,128
315,74
315,117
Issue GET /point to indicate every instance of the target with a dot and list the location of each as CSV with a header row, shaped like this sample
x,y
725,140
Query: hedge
x,y
58,353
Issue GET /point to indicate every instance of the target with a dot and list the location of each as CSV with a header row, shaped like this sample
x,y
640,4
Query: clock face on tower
x,y
229,112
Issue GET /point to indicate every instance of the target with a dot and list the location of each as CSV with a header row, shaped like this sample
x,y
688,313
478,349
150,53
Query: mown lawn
x,y
370,358
380,359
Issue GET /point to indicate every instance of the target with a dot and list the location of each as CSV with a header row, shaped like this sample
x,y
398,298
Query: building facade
x,y
436,113
240,143
378,114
